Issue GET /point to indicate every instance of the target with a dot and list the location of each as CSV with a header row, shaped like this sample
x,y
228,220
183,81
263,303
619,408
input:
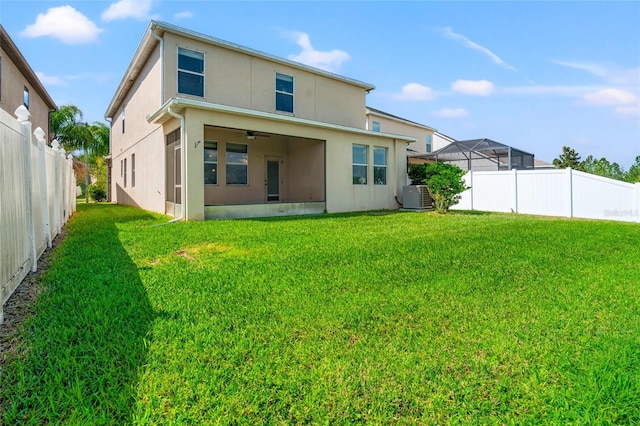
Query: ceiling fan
x,y
251,135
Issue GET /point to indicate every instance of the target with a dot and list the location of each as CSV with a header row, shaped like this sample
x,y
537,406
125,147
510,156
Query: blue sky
x,y
534,75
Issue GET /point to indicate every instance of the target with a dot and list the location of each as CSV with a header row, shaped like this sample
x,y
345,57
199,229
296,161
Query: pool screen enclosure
x,y
481,154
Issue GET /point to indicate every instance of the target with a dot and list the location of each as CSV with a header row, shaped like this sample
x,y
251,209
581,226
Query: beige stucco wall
x,y
244,81
343,195
388,125
12,90
144,140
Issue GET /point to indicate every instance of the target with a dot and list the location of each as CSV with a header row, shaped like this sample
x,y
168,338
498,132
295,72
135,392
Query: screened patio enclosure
x,y
481,155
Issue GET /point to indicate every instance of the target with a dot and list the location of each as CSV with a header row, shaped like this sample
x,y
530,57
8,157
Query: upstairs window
x,y
284,93
210,162
25,97
360,154
190,72
375,126
379,166
429,145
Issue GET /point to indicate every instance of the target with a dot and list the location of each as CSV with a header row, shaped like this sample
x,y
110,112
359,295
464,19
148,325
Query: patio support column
x,y
193,165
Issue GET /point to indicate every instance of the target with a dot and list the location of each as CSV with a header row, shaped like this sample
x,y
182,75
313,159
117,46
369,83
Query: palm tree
x,y
75,135
63,122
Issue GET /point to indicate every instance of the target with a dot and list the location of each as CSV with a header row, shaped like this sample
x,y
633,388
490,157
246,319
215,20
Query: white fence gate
x,y
37,197
565,192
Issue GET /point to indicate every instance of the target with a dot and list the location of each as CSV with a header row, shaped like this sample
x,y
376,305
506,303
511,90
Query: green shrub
x,y
98,192
444,183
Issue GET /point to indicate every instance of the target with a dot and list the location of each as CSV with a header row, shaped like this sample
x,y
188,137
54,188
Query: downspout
x,y
110,166
183,183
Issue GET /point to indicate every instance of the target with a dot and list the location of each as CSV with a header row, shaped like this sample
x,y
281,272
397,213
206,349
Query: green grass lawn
x,y
376,318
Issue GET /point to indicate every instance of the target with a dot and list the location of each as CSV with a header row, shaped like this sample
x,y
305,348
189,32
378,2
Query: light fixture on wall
x,y
251,136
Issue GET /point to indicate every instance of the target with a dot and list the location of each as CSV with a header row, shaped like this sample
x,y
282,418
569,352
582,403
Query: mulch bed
x,y
22,305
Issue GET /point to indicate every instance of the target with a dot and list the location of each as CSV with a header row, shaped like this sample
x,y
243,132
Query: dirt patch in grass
x,y
22,305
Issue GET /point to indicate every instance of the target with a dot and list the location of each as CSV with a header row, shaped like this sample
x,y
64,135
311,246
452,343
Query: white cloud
x,y
50,80
65,24
548,90
629,111
473,87
610,97
183,15
326,60
138,9
448,32
452,113
595,69
415,92
610,72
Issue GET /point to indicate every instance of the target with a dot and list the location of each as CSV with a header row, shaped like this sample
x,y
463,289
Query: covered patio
x,y
249,173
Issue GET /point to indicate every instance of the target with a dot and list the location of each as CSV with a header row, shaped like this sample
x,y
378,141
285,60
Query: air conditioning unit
x,y
416,198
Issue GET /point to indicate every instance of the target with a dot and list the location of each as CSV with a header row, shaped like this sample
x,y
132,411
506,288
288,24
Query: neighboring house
x,y
539,164
19,85
440,140
425,136
202,128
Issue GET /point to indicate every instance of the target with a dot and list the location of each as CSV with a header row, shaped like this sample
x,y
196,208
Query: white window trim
x,y
385,166
204,72
226,163
366,165
217,162
292,94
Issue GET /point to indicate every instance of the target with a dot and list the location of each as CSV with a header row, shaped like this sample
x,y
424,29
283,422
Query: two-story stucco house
x,y
19,85
202,128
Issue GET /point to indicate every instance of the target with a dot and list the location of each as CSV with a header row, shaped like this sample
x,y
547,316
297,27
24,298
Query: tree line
x,y
600,167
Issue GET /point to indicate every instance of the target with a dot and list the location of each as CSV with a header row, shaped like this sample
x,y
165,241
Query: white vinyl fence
x,y
565,192
37,197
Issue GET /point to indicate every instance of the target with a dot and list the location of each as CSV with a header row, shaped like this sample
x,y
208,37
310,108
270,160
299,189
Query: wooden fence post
x,y
44,193
637,212
569,172
56,186
514,192
23,116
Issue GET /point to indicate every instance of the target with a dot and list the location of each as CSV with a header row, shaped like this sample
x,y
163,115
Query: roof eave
x,y
380,113
162,115
166,27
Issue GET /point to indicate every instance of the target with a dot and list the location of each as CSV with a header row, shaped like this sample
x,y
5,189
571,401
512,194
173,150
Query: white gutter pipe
x,y
182,133
183,183
110,120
